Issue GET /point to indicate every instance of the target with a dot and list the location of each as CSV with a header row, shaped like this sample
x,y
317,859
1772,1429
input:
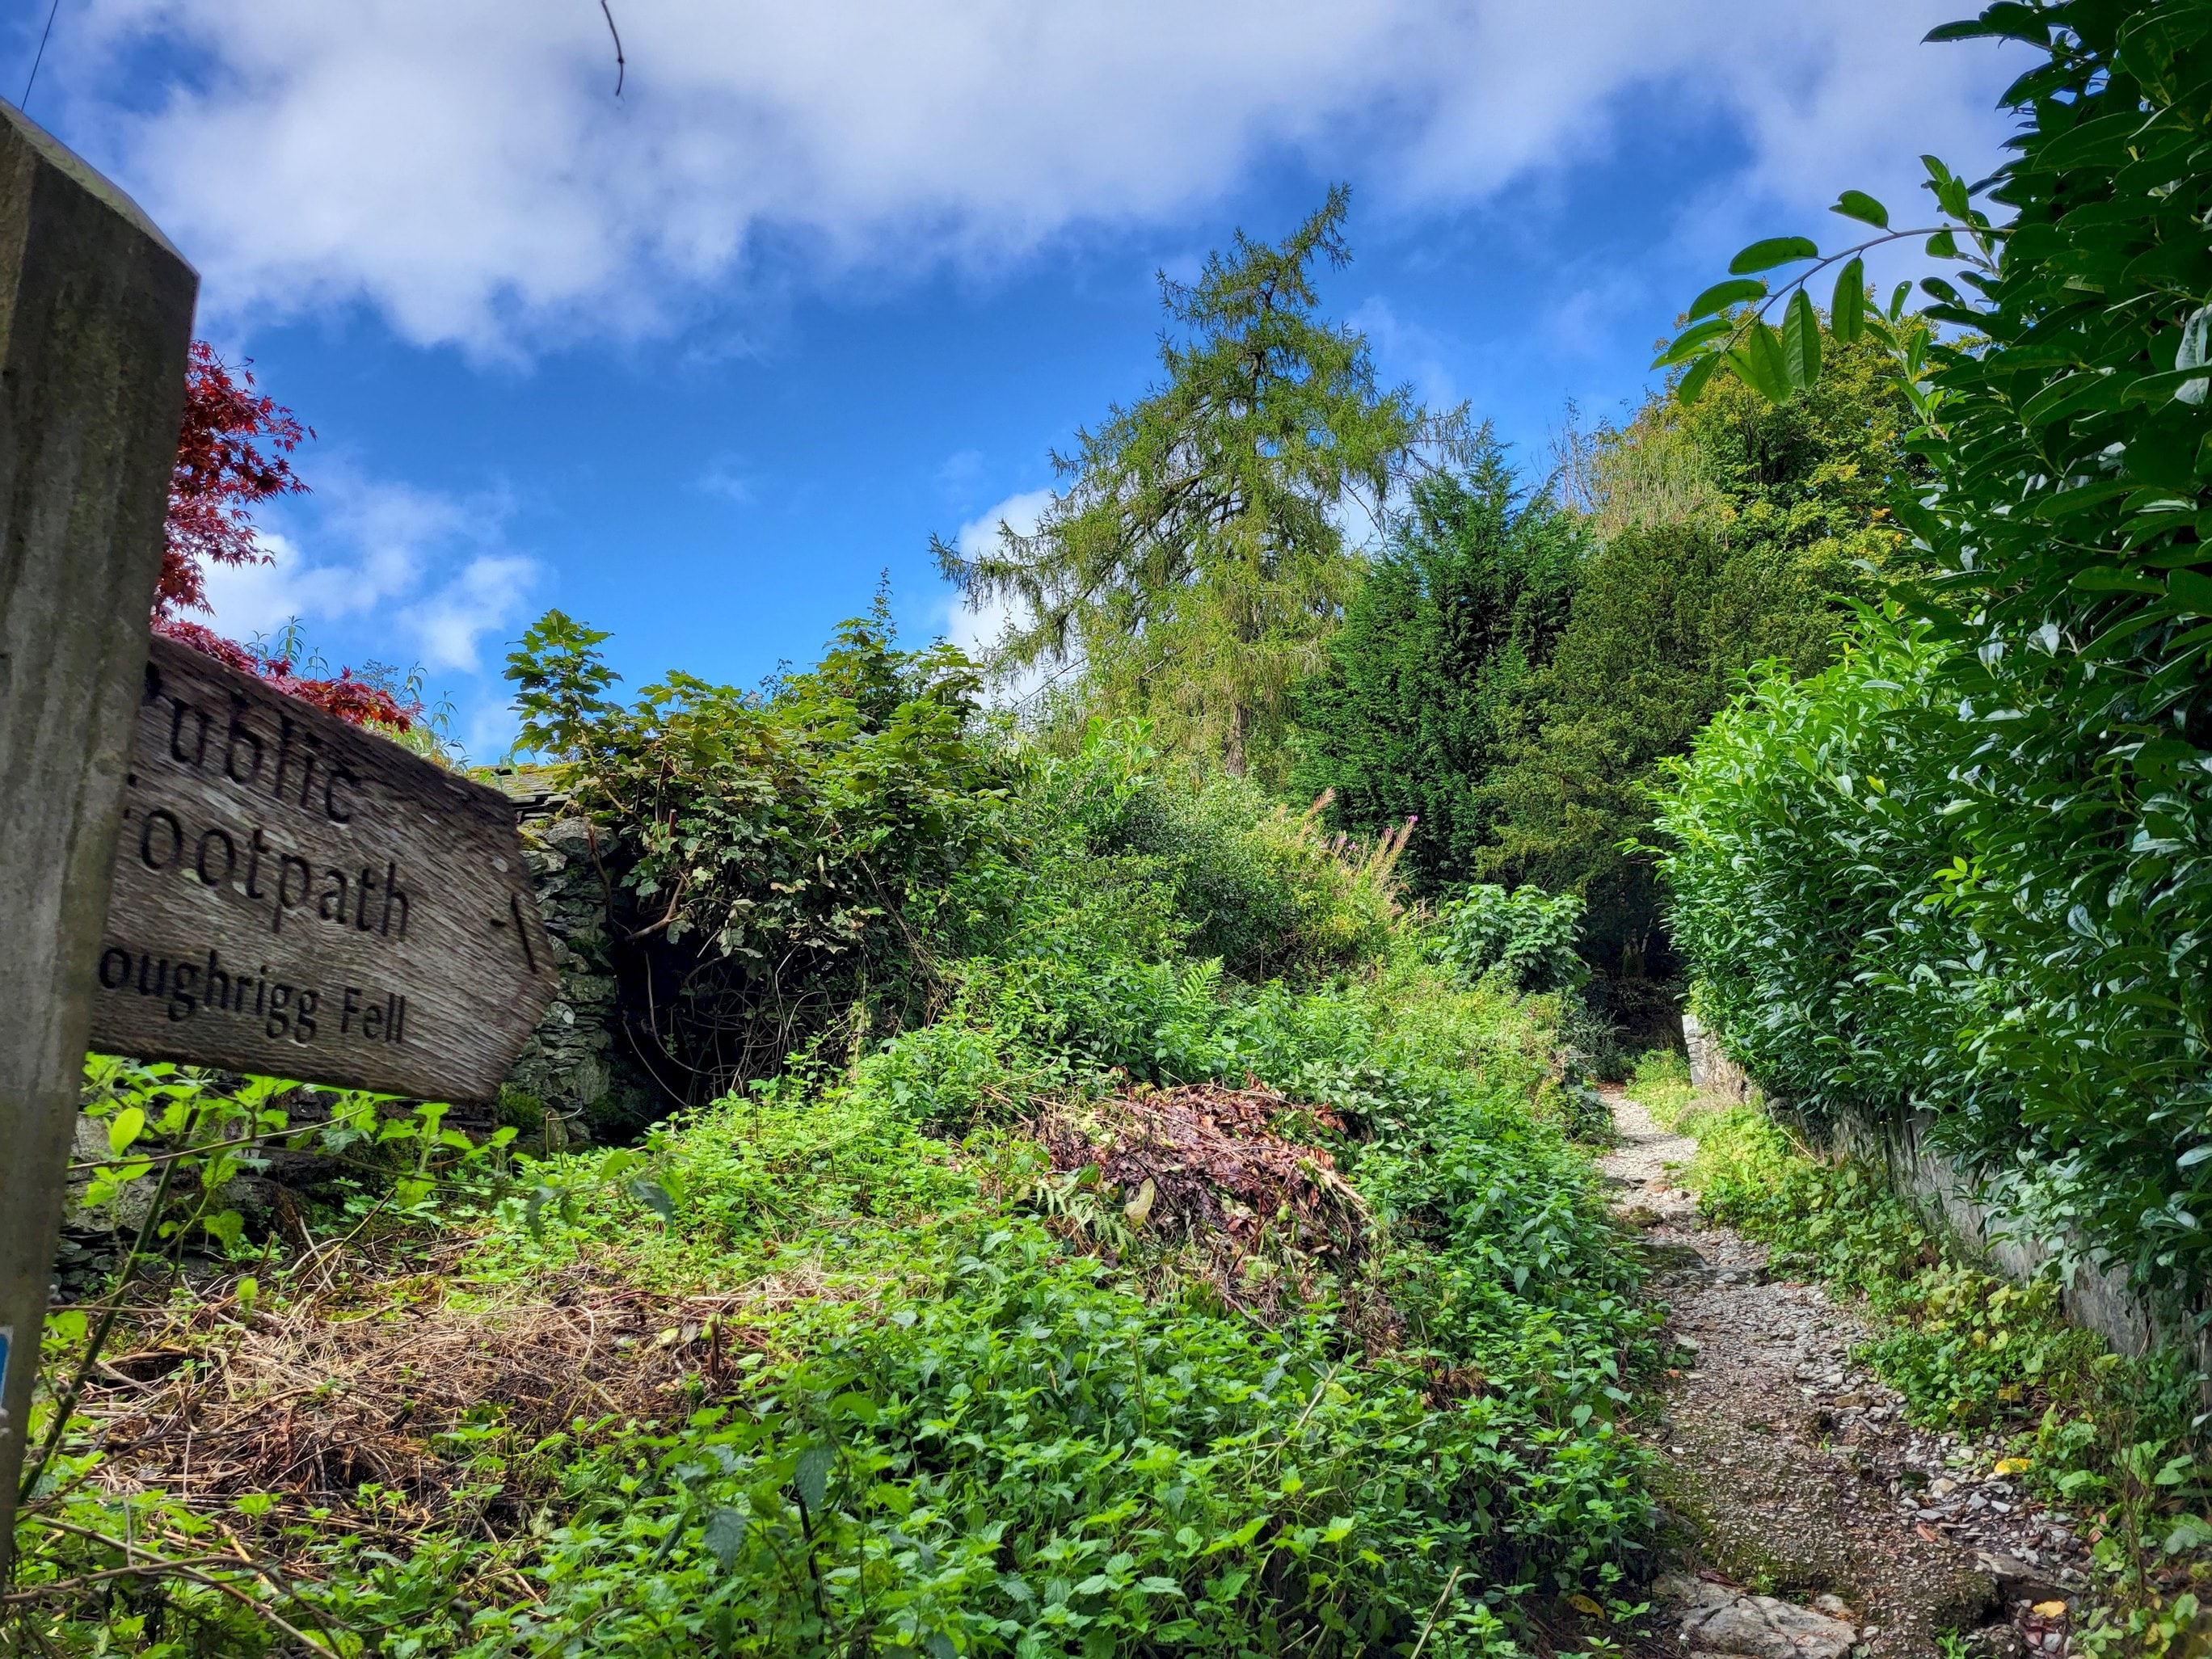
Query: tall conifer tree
x,y
1196,561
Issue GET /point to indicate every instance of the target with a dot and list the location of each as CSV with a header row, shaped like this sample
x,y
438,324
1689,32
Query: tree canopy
x,y
1519,660
1736,531
1442,645
1197,558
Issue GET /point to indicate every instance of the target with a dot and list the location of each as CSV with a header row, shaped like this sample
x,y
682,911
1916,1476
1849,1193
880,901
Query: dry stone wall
x,y
2097,1295
1711,1071
572,1065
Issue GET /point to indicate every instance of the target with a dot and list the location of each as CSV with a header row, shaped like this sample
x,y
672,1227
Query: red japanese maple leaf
x,y
231,455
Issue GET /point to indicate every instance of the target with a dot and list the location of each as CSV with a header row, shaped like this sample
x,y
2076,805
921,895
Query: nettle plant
x,y
2060,376
1528,933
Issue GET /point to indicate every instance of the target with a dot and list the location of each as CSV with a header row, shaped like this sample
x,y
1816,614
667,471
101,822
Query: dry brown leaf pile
x,y
312,1402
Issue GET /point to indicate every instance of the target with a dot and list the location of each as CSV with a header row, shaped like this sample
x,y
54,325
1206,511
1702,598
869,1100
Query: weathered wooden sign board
x,y
282,893
296,897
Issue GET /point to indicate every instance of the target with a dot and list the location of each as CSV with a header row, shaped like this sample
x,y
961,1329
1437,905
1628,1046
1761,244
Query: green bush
x,y
760,848
1840,866
2035,963
1527,935
1815,872
1262,890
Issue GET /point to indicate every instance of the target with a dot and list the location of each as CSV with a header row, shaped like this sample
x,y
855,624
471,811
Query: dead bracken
x,y
319,1400
1234,1177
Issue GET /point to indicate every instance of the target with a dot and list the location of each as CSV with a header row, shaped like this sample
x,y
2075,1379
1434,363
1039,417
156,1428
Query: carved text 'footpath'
x,y
296,896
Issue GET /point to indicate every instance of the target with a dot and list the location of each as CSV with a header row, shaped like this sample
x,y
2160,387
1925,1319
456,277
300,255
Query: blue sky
x,y
695,364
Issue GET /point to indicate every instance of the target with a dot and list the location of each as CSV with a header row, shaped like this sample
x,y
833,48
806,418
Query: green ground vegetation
x,y
1118,1181
973,1333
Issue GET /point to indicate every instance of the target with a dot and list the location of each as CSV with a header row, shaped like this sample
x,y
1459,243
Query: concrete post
x,y
95,316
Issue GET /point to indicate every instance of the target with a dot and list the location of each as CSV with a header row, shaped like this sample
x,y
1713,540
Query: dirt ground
x,y
1815,1520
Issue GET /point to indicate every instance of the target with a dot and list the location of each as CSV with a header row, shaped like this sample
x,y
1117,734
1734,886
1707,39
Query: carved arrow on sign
x,y
296,897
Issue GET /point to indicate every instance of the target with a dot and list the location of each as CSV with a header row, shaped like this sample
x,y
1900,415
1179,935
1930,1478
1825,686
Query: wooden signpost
x,y
192,866
297,897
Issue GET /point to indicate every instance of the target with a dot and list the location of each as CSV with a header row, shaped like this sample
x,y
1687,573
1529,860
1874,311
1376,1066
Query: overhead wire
x,y
32,80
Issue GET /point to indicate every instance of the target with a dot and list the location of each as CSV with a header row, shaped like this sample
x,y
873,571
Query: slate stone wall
x,y
1711,1071
2098,1296
572,1064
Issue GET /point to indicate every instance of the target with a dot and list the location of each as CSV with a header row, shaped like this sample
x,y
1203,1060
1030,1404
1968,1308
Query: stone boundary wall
x,y
1711,1071
2099,1299
569,1065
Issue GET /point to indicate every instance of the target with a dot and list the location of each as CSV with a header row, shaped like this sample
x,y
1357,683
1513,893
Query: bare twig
x,y
91,1356
118,1161
143,1569
622,68
177,1570
1449,1584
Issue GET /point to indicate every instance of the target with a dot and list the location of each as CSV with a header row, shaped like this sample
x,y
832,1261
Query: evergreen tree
x,y
1196,562
1737,531
1517,668
1440,649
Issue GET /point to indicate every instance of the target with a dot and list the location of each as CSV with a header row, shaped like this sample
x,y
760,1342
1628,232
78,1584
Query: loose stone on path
x,y
1794,1472
1729,1621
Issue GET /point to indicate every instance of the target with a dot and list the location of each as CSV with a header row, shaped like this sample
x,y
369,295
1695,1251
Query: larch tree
x,y
1197,560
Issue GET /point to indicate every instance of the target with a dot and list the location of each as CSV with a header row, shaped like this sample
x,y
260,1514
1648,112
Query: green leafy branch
x,y
1729,323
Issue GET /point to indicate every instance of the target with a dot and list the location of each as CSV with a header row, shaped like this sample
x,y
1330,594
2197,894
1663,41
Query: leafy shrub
x,y
761,846
1860,946
2061,719
1265,891
180,1137
1595,1044
1527,934
1814,867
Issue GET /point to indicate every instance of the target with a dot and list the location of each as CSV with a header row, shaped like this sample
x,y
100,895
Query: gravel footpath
x,y
1797,1474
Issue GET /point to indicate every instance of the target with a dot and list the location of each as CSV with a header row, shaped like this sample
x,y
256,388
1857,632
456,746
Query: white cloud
x,y
957,478
1407,351
421,574
722,477
976,630
465,169
488,591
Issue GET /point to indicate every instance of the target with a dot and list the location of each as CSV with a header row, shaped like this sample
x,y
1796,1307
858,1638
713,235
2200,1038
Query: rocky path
x,y
1815,1519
